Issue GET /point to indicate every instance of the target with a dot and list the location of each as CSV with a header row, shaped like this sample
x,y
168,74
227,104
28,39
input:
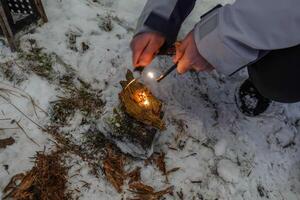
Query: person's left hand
x,y
188,57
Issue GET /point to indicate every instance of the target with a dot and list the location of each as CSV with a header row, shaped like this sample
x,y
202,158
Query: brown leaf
x,y
6,142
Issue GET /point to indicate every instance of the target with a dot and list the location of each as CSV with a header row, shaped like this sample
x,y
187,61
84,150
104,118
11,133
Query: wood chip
x,y
134,176
46,180
113,167
146,192
6,142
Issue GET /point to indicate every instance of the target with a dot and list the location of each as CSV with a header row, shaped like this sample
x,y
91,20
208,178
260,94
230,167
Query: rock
x,y
228,171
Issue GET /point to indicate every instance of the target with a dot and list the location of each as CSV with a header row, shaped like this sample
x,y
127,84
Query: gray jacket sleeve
x,y
232,36
235,35
165,17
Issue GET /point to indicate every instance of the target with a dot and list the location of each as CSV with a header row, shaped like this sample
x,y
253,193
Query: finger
x,y
180,50
183,65
138,45
149,53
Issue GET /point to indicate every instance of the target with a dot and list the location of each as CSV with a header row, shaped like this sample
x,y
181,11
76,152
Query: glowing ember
x,y
142,99
151,75
146,102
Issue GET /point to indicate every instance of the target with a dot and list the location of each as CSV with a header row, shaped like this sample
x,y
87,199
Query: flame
x,y
142,98
146,102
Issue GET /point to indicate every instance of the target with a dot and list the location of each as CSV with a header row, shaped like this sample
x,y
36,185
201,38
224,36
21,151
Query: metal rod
x,y
164,75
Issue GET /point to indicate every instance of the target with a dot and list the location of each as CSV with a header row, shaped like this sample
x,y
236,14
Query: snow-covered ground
x,y
221,153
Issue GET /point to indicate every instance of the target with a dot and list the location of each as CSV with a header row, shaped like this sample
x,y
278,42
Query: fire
x,y
146,102
142,98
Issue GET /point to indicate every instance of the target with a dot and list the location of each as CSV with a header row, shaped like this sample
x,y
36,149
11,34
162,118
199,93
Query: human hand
x,y
144,48
188,57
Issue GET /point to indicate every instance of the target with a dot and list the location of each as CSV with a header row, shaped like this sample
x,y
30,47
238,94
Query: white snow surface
x,y
221,153
229,171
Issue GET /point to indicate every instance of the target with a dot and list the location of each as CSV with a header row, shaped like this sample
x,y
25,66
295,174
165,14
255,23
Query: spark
x,y
151,75
129,84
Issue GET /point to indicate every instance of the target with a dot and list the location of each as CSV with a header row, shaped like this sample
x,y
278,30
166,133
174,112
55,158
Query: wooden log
x,y
7,32
41,10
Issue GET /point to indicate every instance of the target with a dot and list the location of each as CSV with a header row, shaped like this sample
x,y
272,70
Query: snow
x,y
221,153
229,171
220,147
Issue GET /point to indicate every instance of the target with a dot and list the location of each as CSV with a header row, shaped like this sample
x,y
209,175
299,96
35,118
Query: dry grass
x,y
11,72
47,180
113,167
37,61
105,23
83,99
91,150
158,159
146,192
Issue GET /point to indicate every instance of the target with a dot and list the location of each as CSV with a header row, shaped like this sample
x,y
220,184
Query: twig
x,y
34,110
2,129
35,105
5,119
190,155
18,124
173,170
42,128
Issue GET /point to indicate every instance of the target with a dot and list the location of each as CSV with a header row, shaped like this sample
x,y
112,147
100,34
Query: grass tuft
x,y
84,99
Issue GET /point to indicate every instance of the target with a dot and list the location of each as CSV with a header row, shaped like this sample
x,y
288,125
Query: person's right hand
x,y
144,48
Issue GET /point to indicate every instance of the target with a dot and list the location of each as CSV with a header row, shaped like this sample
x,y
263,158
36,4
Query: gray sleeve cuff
x,y
212,47
143,29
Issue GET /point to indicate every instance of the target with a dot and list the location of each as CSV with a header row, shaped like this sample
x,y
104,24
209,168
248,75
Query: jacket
x,y
231,36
